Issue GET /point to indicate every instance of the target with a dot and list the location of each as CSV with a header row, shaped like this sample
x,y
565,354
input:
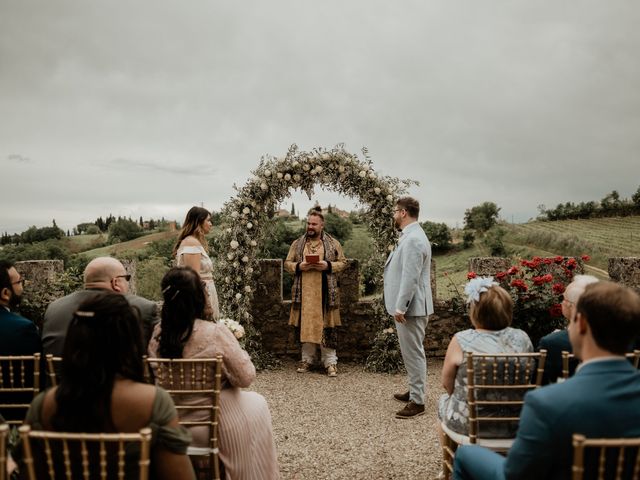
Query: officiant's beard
x,y
312,233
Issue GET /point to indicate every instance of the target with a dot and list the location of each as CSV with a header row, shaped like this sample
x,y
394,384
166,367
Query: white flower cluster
x,y
235,327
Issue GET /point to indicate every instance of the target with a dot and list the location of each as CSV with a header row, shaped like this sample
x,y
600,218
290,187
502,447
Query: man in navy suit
x,y
600,401
407,297
18,335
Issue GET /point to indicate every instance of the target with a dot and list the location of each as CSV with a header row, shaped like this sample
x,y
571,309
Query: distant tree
x,y
141,222
635,198
216,218
493,241
152,224
338,227
439,235
93,230
468,238
122,230
34,234
293,209
481,217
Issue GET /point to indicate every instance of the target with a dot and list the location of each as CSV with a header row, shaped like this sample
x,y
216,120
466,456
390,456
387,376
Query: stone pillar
x,y
488,265
41,287
625,270
131,266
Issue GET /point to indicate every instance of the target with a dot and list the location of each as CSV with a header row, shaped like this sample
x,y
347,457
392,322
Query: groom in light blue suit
x,y
602,400
407,297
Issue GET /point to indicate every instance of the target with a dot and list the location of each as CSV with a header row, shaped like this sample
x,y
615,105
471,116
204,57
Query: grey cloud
x,y
188,170
16,157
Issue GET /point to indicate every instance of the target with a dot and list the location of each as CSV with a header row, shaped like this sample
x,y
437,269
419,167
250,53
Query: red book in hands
x,y
312,258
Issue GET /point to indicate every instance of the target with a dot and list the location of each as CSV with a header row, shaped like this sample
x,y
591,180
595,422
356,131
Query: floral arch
x,y
247,214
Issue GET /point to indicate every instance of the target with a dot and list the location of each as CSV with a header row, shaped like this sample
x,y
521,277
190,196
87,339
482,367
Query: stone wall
x,y
271,312
271,315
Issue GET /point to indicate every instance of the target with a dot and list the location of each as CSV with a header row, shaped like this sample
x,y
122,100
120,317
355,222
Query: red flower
x,y
585,258
547,261
512,271
501,275
538,281
571,264
558,259
520,285
558,288
548,278
555,310
471,275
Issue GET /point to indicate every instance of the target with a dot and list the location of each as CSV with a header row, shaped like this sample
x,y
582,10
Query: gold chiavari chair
x,y
53,369
194,384
606,458
633,357
63,455
4,434
496,385
19,383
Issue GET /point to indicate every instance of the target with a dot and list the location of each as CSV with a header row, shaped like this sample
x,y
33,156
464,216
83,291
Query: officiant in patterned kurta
x,y
314,259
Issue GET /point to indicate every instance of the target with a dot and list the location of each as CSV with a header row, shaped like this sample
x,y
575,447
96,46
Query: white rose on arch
x,y
264,186
287,177
249,225
246,210
234,244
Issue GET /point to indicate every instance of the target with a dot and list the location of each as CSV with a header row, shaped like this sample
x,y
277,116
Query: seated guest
x,y
100,274
491,312
555,342
18,336
247,447
600,401
102,387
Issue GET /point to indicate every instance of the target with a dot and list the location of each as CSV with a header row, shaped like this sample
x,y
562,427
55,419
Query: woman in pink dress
x,y
192,250
247,446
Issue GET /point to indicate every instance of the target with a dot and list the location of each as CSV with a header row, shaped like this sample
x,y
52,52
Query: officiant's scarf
x,y
330,255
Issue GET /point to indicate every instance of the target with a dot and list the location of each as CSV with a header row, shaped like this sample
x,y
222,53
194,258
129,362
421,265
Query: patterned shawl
x,y
331,299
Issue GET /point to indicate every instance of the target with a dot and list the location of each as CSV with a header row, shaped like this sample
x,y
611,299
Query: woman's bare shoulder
x,y
190,241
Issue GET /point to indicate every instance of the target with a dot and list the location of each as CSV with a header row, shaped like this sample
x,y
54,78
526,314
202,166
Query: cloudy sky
x,y
149,107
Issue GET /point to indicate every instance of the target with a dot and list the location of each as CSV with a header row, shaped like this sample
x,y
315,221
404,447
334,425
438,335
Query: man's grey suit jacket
x,y
407,274
60,312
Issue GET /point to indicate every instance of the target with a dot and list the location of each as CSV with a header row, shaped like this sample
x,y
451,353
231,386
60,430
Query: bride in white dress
x,y
192,249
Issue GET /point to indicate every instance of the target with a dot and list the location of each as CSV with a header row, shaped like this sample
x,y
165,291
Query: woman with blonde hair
x,y
192,250
491,312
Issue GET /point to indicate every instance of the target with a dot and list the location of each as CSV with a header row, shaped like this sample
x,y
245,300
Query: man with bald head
x,y
102,273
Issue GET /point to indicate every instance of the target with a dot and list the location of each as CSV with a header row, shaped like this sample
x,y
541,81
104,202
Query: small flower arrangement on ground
x,y
536,286
235,327
385,355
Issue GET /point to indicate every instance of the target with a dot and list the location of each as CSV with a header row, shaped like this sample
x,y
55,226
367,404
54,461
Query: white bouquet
x,y
235,327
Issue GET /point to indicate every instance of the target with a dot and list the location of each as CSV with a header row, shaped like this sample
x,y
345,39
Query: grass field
x,y
135,245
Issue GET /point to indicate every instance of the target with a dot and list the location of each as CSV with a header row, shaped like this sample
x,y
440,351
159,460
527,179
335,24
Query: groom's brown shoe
x,y
410,410
402,397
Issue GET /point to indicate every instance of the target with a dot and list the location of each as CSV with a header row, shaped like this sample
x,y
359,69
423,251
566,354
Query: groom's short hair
x,y
411,205
613,314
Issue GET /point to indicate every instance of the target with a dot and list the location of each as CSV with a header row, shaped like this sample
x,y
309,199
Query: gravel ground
x,y
345,427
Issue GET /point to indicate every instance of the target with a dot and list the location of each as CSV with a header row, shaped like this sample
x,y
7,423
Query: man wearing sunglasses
x,y
102,273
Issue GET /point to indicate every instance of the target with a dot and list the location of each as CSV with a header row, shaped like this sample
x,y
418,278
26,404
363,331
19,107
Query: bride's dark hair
x,y
103,340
